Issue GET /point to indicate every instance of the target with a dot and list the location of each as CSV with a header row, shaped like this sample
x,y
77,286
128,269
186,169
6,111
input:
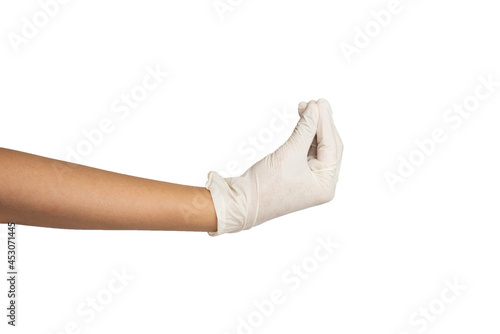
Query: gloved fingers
x,y
312,149
330,147
304,132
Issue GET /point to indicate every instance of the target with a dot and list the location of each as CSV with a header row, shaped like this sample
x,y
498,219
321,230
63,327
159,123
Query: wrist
x,y
235,205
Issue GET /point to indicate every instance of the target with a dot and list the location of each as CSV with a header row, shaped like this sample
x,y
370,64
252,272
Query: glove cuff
x,y
230,208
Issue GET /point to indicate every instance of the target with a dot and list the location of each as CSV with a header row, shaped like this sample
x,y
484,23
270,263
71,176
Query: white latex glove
x,y
301,173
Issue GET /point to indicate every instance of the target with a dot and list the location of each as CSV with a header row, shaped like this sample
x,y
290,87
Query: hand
x,y
303,172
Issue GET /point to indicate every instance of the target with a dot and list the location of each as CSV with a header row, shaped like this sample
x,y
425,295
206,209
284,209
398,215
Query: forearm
x,y
39,191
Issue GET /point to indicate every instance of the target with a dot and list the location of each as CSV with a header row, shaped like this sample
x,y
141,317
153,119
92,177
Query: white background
x,y
226,76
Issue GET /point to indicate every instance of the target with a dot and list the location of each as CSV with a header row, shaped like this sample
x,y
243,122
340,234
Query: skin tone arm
x,y
40,191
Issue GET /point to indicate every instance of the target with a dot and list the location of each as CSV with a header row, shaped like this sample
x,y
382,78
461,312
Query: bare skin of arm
x,y
40,191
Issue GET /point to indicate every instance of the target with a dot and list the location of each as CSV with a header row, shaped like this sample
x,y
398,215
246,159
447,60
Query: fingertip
x,y
312,105
325,105
313,110
302,107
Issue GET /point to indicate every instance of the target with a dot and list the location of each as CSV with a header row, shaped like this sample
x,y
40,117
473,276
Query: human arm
x,y
40,191
301,173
